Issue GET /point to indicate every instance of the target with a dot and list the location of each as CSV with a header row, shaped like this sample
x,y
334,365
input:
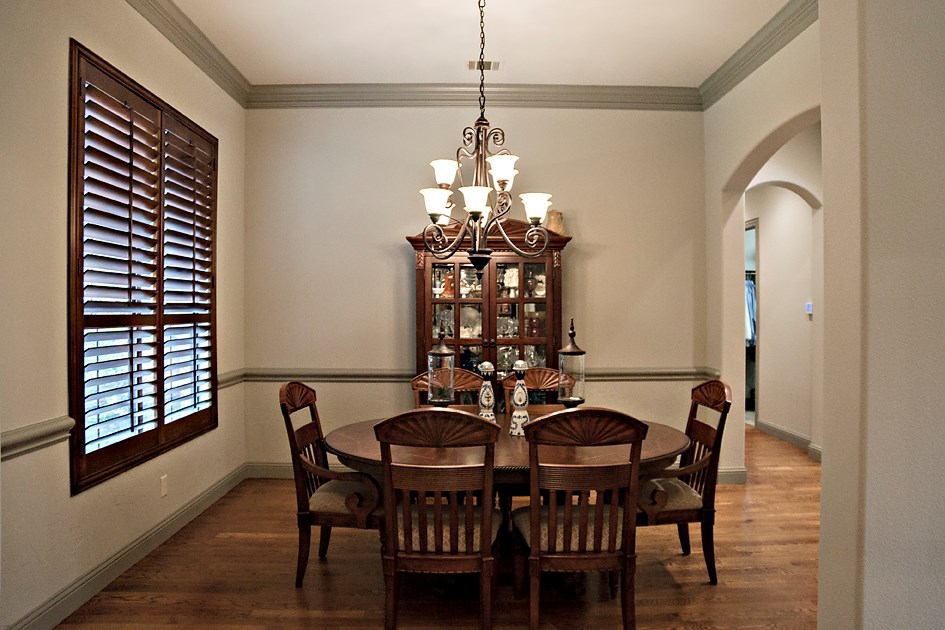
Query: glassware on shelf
x,y
507,321
535,356
535,320
470,285
506,357
535,280
470,321
507,280
443,318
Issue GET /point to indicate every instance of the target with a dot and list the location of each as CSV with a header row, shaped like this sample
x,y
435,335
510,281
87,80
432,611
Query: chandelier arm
x,y
436,242
534,235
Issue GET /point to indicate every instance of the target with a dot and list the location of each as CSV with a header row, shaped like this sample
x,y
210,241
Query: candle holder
x,y
571,373
441,362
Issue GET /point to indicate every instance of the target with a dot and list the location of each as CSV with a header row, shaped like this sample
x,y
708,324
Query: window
x,y
142,351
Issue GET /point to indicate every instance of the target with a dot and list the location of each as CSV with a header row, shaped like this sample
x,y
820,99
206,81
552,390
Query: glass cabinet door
x,y
456,297
521,295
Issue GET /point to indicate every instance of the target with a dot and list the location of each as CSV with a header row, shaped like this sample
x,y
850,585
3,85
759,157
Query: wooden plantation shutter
x,y
141,294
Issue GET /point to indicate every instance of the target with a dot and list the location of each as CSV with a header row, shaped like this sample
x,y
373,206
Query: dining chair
x,y
686,494
440,519
537,379
326,498
575,519
463,381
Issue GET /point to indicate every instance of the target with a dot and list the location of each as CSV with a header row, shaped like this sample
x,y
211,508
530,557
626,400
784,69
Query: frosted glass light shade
x,y
437,201
503,169
444,171
476,197
536,205
508,178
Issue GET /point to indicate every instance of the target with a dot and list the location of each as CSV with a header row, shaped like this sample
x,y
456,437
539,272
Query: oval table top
x,y
356,446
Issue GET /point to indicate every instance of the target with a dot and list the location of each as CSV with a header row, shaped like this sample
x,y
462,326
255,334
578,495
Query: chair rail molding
x,y
23,440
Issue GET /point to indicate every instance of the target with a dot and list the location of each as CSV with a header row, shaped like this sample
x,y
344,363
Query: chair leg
x,y
305,541
627,594
519,558
613,582
390,595
534,592
486,585
324,538
708,550
684,537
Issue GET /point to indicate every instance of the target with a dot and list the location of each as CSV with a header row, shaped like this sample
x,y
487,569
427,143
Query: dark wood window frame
x,y
142,291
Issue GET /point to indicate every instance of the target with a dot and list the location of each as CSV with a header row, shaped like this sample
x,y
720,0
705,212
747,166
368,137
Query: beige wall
x,y
785,331
884,138
331,194
50,539
743,130
903,159
786,194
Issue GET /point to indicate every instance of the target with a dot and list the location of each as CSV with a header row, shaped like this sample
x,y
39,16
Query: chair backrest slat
x,y
581,507
440,507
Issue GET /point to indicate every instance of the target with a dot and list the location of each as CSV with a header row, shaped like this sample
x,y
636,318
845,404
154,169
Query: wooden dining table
x,y
356,447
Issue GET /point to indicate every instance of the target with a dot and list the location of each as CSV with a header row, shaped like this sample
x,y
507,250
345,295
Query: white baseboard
x,y
733,475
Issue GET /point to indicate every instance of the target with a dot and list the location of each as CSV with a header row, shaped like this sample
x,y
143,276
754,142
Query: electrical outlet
x,y
163,485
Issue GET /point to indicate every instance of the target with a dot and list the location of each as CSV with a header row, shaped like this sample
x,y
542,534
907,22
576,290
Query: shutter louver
x,y
121,168
188,222
186,370
120,378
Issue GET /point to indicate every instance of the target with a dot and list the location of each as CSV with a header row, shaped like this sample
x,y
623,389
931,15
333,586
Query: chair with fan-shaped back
x,y
440,519
687,494
463,381
537,379
576,518
326,498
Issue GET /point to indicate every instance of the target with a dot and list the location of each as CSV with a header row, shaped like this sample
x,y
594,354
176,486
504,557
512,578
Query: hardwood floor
x,y
234,567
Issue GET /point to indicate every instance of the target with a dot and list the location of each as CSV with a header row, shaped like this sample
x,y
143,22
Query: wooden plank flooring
x,y
234,567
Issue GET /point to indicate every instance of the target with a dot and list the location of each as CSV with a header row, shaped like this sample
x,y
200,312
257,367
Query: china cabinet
x,y
512,312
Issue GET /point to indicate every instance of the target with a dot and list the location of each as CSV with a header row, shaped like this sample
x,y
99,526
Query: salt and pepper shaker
x,y
519,399
486,395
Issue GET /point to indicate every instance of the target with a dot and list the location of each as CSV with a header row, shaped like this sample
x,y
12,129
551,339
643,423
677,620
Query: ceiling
x,y
566,42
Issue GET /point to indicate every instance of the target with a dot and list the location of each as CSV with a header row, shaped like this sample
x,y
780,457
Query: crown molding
x,y
448,94
171,22
780,30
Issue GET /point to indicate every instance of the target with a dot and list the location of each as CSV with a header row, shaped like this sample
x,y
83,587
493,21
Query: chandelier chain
x,y
482,58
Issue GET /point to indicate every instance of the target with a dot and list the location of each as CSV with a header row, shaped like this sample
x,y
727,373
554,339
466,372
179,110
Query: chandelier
x,y
486,206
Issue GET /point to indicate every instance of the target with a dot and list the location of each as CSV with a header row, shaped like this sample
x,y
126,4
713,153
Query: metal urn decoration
x,y
519,400
486,394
